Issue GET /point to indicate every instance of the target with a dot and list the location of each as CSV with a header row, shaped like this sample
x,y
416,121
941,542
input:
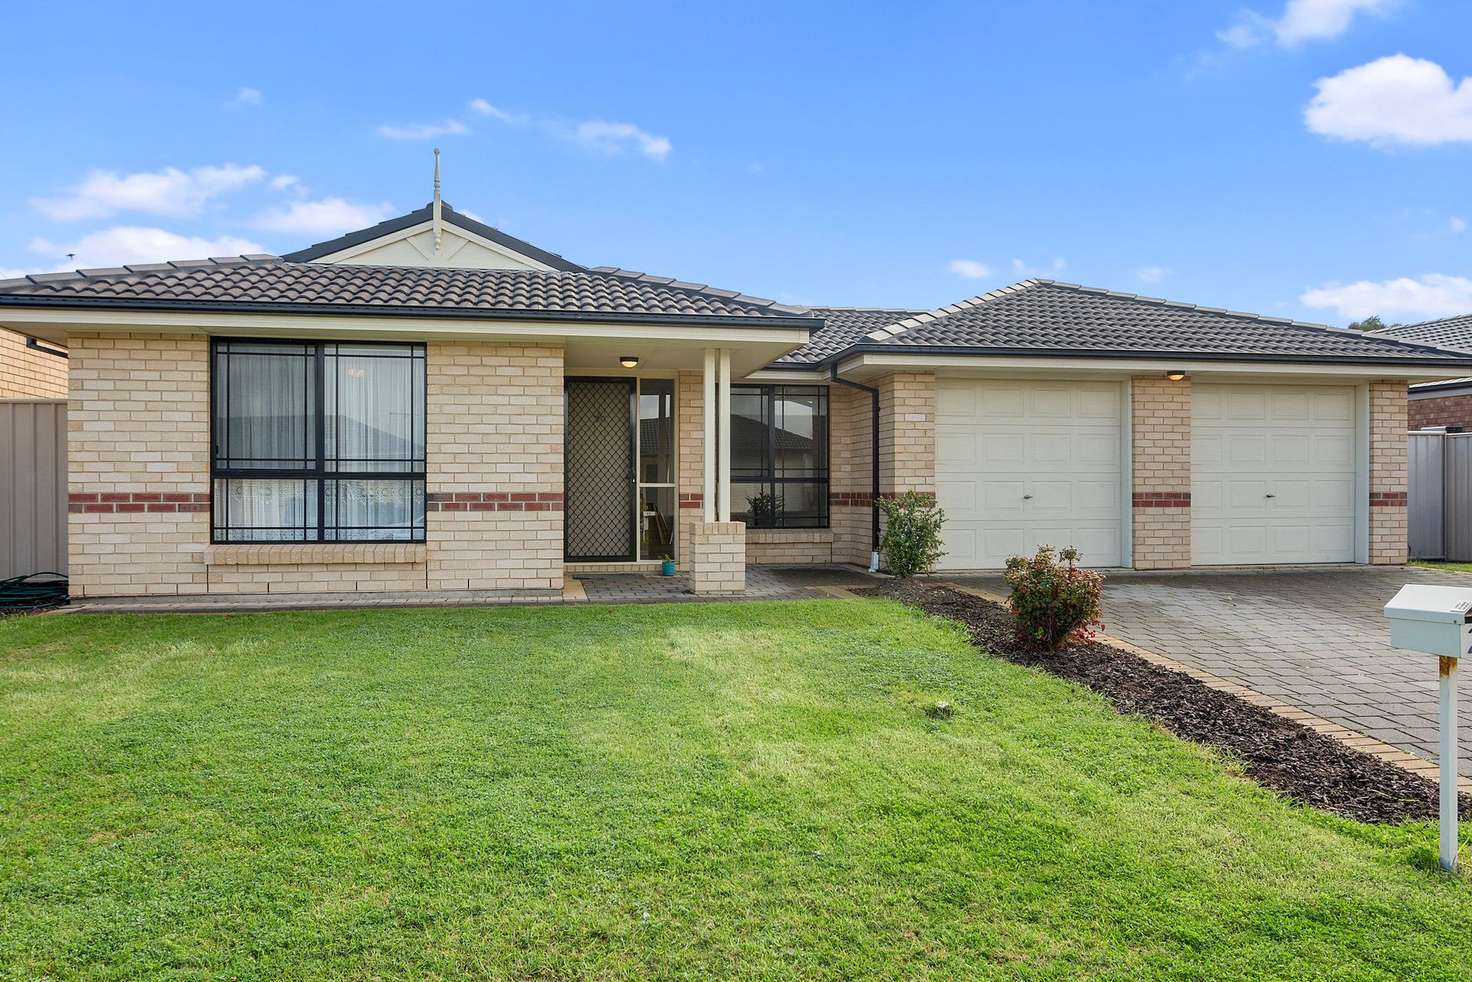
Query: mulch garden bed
x,y
1291,759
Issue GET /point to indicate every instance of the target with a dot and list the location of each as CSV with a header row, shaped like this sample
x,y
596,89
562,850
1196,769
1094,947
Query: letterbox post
x,y
1448,763
1437,620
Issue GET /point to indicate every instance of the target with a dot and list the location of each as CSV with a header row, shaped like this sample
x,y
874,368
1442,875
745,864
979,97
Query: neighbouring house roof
x,y
1048,317
269,283
1447,332
842,326
413,218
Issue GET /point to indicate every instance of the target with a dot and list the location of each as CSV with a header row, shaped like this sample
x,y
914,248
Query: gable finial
x,y
436,201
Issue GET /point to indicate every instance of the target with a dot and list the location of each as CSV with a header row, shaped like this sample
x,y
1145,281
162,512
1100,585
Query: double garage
x,y
1276,470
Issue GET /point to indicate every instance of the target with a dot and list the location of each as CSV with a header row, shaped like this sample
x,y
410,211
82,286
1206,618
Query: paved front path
x,y
1315,639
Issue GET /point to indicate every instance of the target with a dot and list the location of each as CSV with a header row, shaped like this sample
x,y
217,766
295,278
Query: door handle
x,y
1270,495
1026,497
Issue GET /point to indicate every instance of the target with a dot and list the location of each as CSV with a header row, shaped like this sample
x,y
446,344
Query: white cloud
x,y
1151,274
969,269
328,216
248,97
423,131
125,244
1430,295
1457,224
1393,100
171,191
1301,20
485,108
612,137
287,182
1026,270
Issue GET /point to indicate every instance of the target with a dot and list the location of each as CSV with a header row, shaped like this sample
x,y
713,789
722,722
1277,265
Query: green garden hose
x,y
34,591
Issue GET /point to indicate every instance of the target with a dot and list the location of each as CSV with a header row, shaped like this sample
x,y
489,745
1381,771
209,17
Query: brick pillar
x,y
718,557
851,487
1388,472
1160,453
906,432
690,483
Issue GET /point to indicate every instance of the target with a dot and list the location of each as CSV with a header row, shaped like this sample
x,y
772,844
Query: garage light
x,y
629,361
1175,376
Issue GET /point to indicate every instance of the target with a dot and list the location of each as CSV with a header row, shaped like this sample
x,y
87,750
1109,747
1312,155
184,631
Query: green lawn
x,y
710,790
1437,564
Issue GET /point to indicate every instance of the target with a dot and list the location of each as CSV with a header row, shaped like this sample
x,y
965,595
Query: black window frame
x,y
768,474
321,469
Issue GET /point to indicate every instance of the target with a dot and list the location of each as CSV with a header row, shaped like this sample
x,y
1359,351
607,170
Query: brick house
x,y
29,369
1447,402
431,404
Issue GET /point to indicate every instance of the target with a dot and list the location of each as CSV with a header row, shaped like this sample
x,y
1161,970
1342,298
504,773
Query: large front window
x,y
317,442
779,455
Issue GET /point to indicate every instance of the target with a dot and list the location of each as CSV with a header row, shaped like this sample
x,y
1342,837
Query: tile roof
x,y
256,283
842,326
419,217
1448,332
1049,317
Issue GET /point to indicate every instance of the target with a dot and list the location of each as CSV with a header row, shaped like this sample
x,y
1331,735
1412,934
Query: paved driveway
x,y
1315,639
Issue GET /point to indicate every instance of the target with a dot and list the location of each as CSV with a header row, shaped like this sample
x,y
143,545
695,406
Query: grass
x,y
712,790
1438,564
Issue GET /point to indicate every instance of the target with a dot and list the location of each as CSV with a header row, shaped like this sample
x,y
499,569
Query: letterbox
x,y
1433,619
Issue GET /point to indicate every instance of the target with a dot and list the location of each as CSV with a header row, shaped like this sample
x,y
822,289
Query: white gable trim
x,y
407,235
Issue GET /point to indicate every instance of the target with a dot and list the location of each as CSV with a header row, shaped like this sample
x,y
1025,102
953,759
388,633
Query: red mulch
x,y
1290,758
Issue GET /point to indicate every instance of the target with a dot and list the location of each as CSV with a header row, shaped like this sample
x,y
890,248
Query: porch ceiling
x,y
665,355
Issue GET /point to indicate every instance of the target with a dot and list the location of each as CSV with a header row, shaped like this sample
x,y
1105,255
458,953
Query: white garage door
x,y
1020,463
1272,474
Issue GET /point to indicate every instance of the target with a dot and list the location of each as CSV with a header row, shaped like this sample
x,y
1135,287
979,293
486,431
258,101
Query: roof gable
x,y
409,241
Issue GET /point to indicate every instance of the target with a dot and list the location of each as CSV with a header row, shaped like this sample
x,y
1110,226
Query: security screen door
x,y
599,470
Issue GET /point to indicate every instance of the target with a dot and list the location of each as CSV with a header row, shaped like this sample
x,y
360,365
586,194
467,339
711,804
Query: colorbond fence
x,y
32,486
1440,496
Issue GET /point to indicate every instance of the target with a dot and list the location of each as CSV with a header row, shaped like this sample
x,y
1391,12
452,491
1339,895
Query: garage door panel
x,y
1001,399
960,498
1051,450
1246,450
1288,451
1282,488
955,402
959,446
1057,442
1334,451
1003,451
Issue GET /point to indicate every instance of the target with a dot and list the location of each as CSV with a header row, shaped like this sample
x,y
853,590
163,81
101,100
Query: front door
x,y
599,470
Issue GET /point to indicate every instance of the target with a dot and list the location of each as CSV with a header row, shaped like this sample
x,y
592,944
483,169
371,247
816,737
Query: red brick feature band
x,y
494,501
112,502
1162,499
1387,499
851,499
691,500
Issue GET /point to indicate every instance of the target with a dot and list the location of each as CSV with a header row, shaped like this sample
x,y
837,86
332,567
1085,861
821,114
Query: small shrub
x,y
1054,601
911,541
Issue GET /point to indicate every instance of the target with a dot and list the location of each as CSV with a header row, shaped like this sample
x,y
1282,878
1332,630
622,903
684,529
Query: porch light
x,y
629,361
1175,376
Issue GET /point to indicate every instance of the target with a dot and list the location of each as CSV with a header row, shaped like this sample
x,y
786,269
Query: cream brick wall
x,y
779,547
138,455
29,374
718,557
1160,438
1388,472
494,422
138,422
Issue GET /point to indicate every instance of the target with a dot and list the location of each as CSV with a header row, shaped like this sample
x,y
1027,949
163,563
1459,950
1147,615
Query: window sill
x,y
313,553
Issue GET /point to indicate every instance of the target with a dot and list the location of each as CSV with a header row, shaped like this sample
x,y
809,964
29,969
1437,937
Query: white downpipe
x,y
1449,764
708,504
723,417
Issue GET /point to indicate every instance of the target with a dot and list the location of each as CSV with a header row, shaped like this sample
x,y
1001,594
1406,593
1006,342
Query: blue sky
x,y
1306,158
